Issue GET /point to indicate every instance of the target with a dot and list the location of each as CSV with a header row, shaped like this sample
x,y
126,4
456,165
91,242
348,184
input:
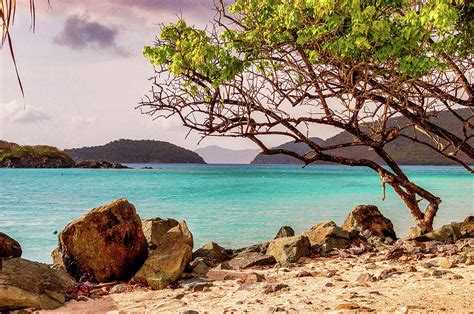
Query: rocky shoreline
x,y
109,259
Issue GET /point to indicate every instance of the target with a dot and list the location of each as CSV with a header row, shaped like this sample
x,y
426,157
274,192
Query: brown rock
x,y
445,263
199,267
26,284
288,249
368,219
166,264
249,259
212,253
215,274
467,227
9,247
327,234
57,257
155,228
285,231
447,233
348,306
106,244
365,278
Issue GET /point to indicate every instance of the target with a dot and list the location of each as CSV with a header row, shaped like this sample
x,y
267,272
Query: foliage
x,y
284,67
12,154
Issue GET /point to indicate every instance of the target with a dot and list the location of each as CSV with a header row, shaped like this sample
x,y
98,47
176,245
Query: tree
x,y
278,67
7,18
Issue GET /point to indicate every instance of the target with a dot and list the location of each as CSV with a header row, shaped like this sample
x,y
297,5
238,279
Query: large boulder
x,y
328,235
155,228
447,233
367,219
212,253
289,249
26,284
285,231
166,264
105,244
9,247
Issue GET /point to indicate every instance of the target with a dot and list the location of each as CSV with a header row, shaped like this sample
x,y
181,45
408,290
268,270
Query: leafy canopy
x,y
407,37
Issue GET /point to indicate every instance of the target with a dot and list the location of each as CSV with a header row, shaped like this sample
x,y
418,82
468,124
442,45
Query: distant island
x,y
403,150
13,155
136,151
219,155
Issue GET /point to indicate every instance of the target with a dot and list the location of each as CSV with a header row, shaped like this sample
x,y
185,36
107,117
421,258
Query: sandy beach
x,y
362,283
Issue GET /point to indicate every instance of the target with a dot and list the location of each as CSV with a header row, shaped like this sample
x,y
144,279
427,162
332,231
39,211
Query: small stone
x,y
275,288
120,288
329,284
387,273
456,276
303,274
438,273
365,277
347,306
445,263
470,260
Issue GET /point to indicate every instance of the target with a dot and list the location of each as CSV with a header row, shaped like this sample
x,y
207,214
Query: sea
x,y
233,205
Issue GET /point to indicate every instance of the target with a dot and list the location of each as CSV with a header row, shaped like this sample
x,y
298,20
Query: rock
x,y
303,274
347,306
445,263
195,284
120,288
285,231
275,288
288,249
365,278
166,264
155,228
387,273
57,258
469,260
368,218
248,259
9,247
105,244
199,267
215,274
467,227
27,284
327,234
395,253
447,233
212,253
99,164
257,248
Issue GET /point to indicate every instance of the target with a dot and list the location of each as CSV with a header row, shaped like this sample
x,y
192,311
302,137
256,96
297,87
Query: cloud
x,y
17,113
80,33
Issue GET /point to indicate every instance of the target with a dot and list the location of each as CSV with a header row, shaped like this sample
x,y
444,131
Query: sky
x,y
83,73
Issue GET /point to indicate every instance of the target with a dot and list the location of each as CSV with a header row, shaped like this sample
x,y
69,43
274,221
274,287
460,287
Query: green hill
x,y
15,156
403,150
136,151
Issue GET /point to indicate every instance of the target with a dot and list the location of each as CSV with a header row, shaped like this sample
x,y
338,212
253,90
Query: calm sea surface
x,y
234,205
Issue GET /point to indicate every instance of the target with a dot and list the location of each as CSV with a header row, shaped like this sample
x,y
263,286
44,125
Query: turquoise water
x,y
234,205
